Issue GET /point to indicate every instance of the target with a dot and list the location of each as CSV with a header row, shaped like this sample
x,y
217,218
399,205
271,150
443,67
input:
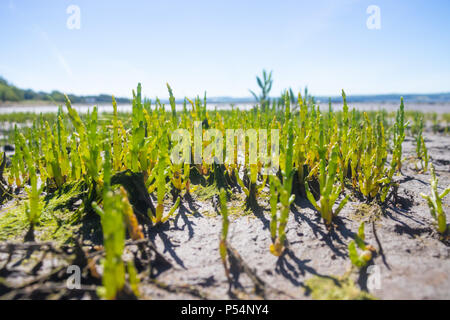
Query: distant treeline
x,y
9,92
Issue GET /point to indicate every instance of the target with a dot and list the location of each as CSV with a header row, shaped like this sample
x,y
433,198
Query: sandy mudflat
x,y
413,263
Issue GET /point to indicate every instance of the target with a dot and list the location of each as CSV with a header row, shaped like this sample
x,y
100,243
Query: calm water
x,y
106,108
424,107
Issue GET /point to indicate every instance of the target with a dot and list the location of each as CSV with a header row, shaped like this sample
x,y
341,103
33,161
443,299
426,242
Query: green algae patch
x,y
205,193
235,201
335,288
209,213
239,210
66,197
58,222
59,226
366,212
237,207
13,223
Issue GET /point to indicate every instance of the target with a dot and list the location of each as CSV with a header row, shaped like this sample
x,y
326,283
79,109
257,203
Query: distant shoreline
x,y
43,103
417,99
319,100
24,103
390,106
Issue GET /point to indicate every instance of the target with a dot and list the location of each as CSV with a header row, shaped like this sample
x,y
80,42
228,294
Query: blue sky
x,y
219,46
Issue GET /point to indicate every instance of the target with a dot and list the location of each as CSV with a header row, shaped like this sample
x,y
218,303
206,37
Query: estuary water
x,y
366,106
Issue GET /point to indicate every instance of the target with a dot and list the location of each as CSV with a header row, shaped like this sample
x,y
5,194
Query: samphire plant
x,y
274,194
115,215
360,260
434,201
421,148
328,178
32,207
161,171
279,222
223,236
113,228
265,84
399,135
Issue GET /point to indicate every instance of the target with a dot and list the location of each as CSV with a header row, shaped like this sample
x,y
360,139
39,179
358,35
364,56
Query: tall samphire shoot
x,y
434,201
113,235
265,84
399,135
